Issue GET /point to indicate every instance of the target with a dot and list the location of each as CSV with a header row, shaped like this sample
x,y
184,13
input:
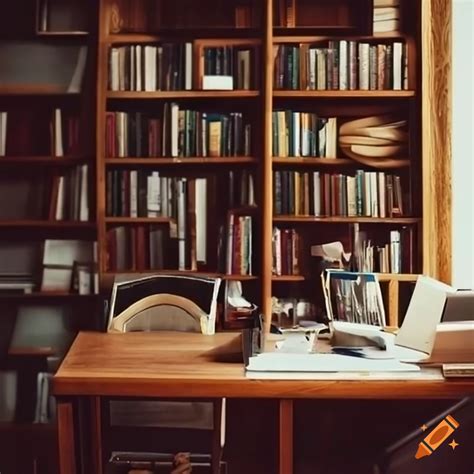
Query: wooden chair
x,y
168,312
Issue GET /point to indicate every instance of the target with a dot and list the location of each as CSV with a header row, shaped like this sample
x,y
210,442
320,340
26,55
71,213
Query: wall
x,y
463,144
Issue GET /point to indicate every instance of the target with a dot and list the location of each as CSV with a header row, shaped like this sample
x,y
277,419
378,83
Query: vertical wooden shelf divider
x,y
267,211
436,38
102,71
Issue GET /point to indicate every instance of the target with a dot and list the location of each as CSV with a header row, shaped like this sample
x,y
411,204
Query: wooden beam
x,y
436,137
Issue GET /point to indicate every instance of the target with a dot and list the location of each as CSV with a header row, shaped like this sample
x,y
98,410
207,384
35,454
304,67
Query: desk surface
x,y
184,365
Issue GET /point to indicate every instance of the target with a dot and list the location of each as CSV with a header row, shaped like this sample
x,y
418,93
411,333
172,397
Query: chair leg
x,y
217,438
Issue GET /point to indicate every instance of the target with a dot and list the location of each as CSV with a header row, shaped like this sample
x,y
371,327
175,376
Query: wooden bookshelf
x,y
424,164
54,75
309,24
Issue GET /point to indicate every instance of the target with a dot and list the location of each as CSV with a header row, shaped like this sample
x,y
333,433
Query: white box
x,y
218,83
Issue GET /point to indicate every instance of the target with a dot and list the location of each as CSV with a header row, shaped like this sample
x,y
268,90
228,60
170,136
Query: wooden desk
x,y
183,365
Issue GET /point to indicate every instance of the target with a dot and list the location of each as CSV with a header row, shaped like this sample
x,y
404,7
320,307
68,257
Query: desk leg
x,y
67,453
286,437
96,434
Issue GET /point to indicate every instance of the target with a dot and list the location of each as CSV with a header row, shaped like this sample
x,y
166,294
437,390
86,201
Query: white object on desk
x,y
421,375
287,362
424,312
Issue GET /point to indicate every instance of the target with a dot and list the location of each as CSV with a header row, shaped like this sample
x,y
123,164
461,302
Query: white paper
x,y
421,375
278,362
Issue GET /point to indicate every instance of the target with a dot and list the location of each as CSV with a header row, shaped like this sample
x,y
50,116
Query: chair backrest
x,y
186,303
162,312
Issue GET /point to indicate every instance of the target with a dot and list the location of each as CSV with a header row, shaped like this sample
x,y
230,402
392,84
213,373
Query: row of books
x,y
239,245
393,255
341,65
149,68
141,248
158,247
64,138
70,195
140,193
177,132
285,252
184,200
368,193
303,134
233,62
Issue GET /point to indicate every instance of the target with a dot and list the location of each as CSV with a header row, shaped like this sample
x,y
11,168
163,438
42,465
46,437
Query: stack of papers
x,y
286,362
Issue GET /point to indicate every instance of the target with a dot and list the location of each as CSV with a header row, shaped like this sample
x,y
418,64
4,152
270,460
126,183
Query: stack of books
x,y
14,283
386,16
376,138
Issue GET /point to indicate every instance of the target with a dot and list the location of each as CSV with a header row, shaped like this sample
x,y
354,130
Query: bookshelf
x,y
248,167
312,28
47,104
265,30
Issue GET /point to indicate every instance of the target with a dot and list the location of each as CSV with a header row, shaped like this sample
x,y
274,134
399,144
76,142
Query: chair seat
x,y
162,414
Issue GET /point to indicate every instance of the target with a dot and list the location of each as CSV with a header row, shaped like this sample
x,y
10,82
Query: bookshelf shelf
x,y
338,94
397,276
138,220
248,35
46,297
328,162
62,34
309,38
35,90
383,277
348,220
288,278
334,30
238,94
185,272
31,352
195,160
42,160
44,224
34,428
